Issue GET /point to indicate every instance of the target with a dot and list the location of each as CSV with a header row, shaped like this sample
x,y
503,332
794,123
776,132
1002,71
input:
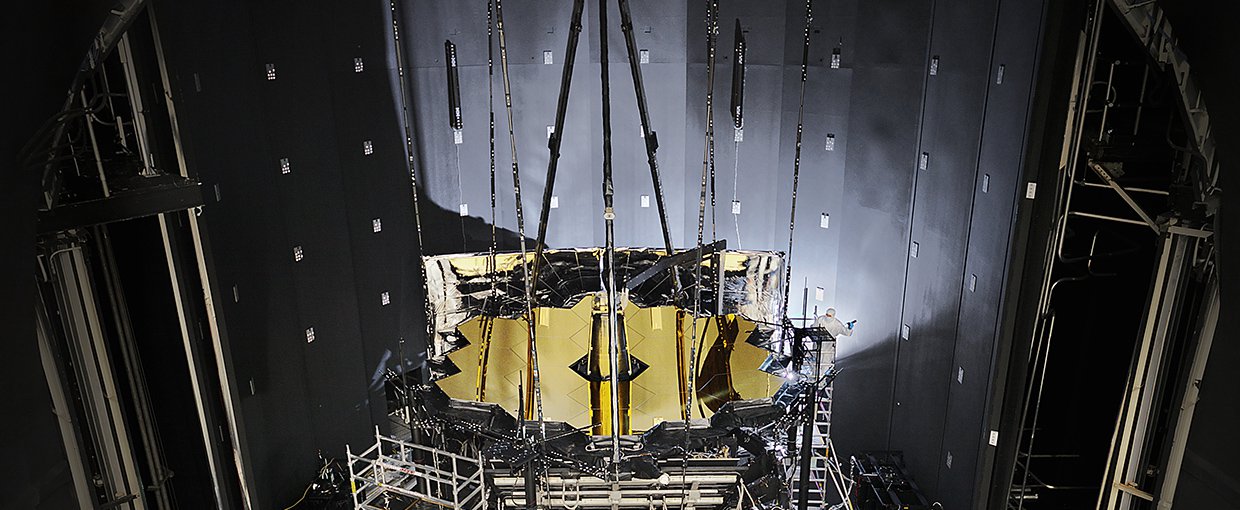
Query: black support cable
x,y
806,439
609,217
553,142
648,134
406,117
516,185
489,325
712,19
796,163
491,114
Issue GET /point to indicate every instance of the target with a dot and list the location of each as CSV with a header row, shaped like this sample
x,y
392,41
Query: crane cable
x,y
796,169
796,164
536,383
488,326
413,186
712,15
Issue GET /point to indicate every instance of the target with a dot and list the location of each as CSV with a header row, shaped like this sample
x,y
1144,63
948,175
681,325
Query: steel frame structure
x,y
1178,244
395,470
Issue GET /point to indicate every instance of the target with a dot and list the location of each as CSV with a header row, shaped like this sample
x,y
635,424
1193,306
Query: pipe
x,y
796,162
535,385
1129,189
609,217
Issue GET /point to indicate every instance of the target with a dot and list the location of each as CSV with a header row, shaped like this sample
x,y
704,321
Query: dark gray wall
x,y
884,110
294,397
881,106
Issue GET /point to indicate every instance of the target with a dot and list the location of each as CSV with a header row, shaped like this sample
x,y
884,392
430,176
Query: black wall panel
x,y
888,76
944,184
297,397
1001,165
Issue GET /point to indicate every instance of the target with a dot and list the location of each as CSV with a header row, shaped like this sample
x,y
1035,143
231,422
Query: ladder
x,y
825,474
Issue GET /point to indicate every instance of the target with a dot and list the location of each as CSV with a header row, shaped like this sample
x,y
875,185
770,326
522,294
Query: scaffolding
x,y
693,490
394,474
824,469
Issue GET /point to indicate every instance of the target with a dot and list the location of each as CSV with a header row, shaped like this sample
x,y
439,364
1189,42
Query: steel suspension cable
x,y
796,163
535,383
491,114
609,216
413,186
489,325
712,16
736,172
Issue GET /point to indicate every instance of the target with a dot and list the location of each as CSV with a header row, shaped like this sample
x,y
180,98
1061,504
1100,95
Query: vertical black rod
x,y
553,143
712,15
491,114
532,353
609,217
404,386
807,431
407,120
454,86
796,163
491,265
738,77
648,134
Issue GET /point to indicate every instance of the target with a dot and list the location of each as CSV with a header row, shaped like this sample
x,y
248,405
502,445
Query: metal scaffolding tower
x,y
824,469
395,474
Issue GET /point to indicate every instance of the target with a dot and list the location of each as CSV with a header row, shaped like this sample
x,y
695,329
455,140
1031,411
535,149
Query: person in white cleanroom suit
x,y
833,325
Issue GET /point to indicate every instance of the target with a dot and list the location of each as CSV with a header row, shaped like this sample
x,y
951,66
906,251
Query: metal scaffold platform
x,y
825,473
394,474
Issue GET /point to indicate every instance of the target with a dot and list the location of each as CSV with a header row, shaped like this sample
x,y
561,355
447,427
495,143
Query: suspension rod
x,y
553,143
407,121
532,352
648,134
609,217
796,162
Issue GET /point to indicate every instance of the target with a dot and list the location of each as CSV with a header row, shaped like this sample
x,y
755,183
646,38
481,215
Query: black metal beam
x,y
648,134
165,195
674,260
